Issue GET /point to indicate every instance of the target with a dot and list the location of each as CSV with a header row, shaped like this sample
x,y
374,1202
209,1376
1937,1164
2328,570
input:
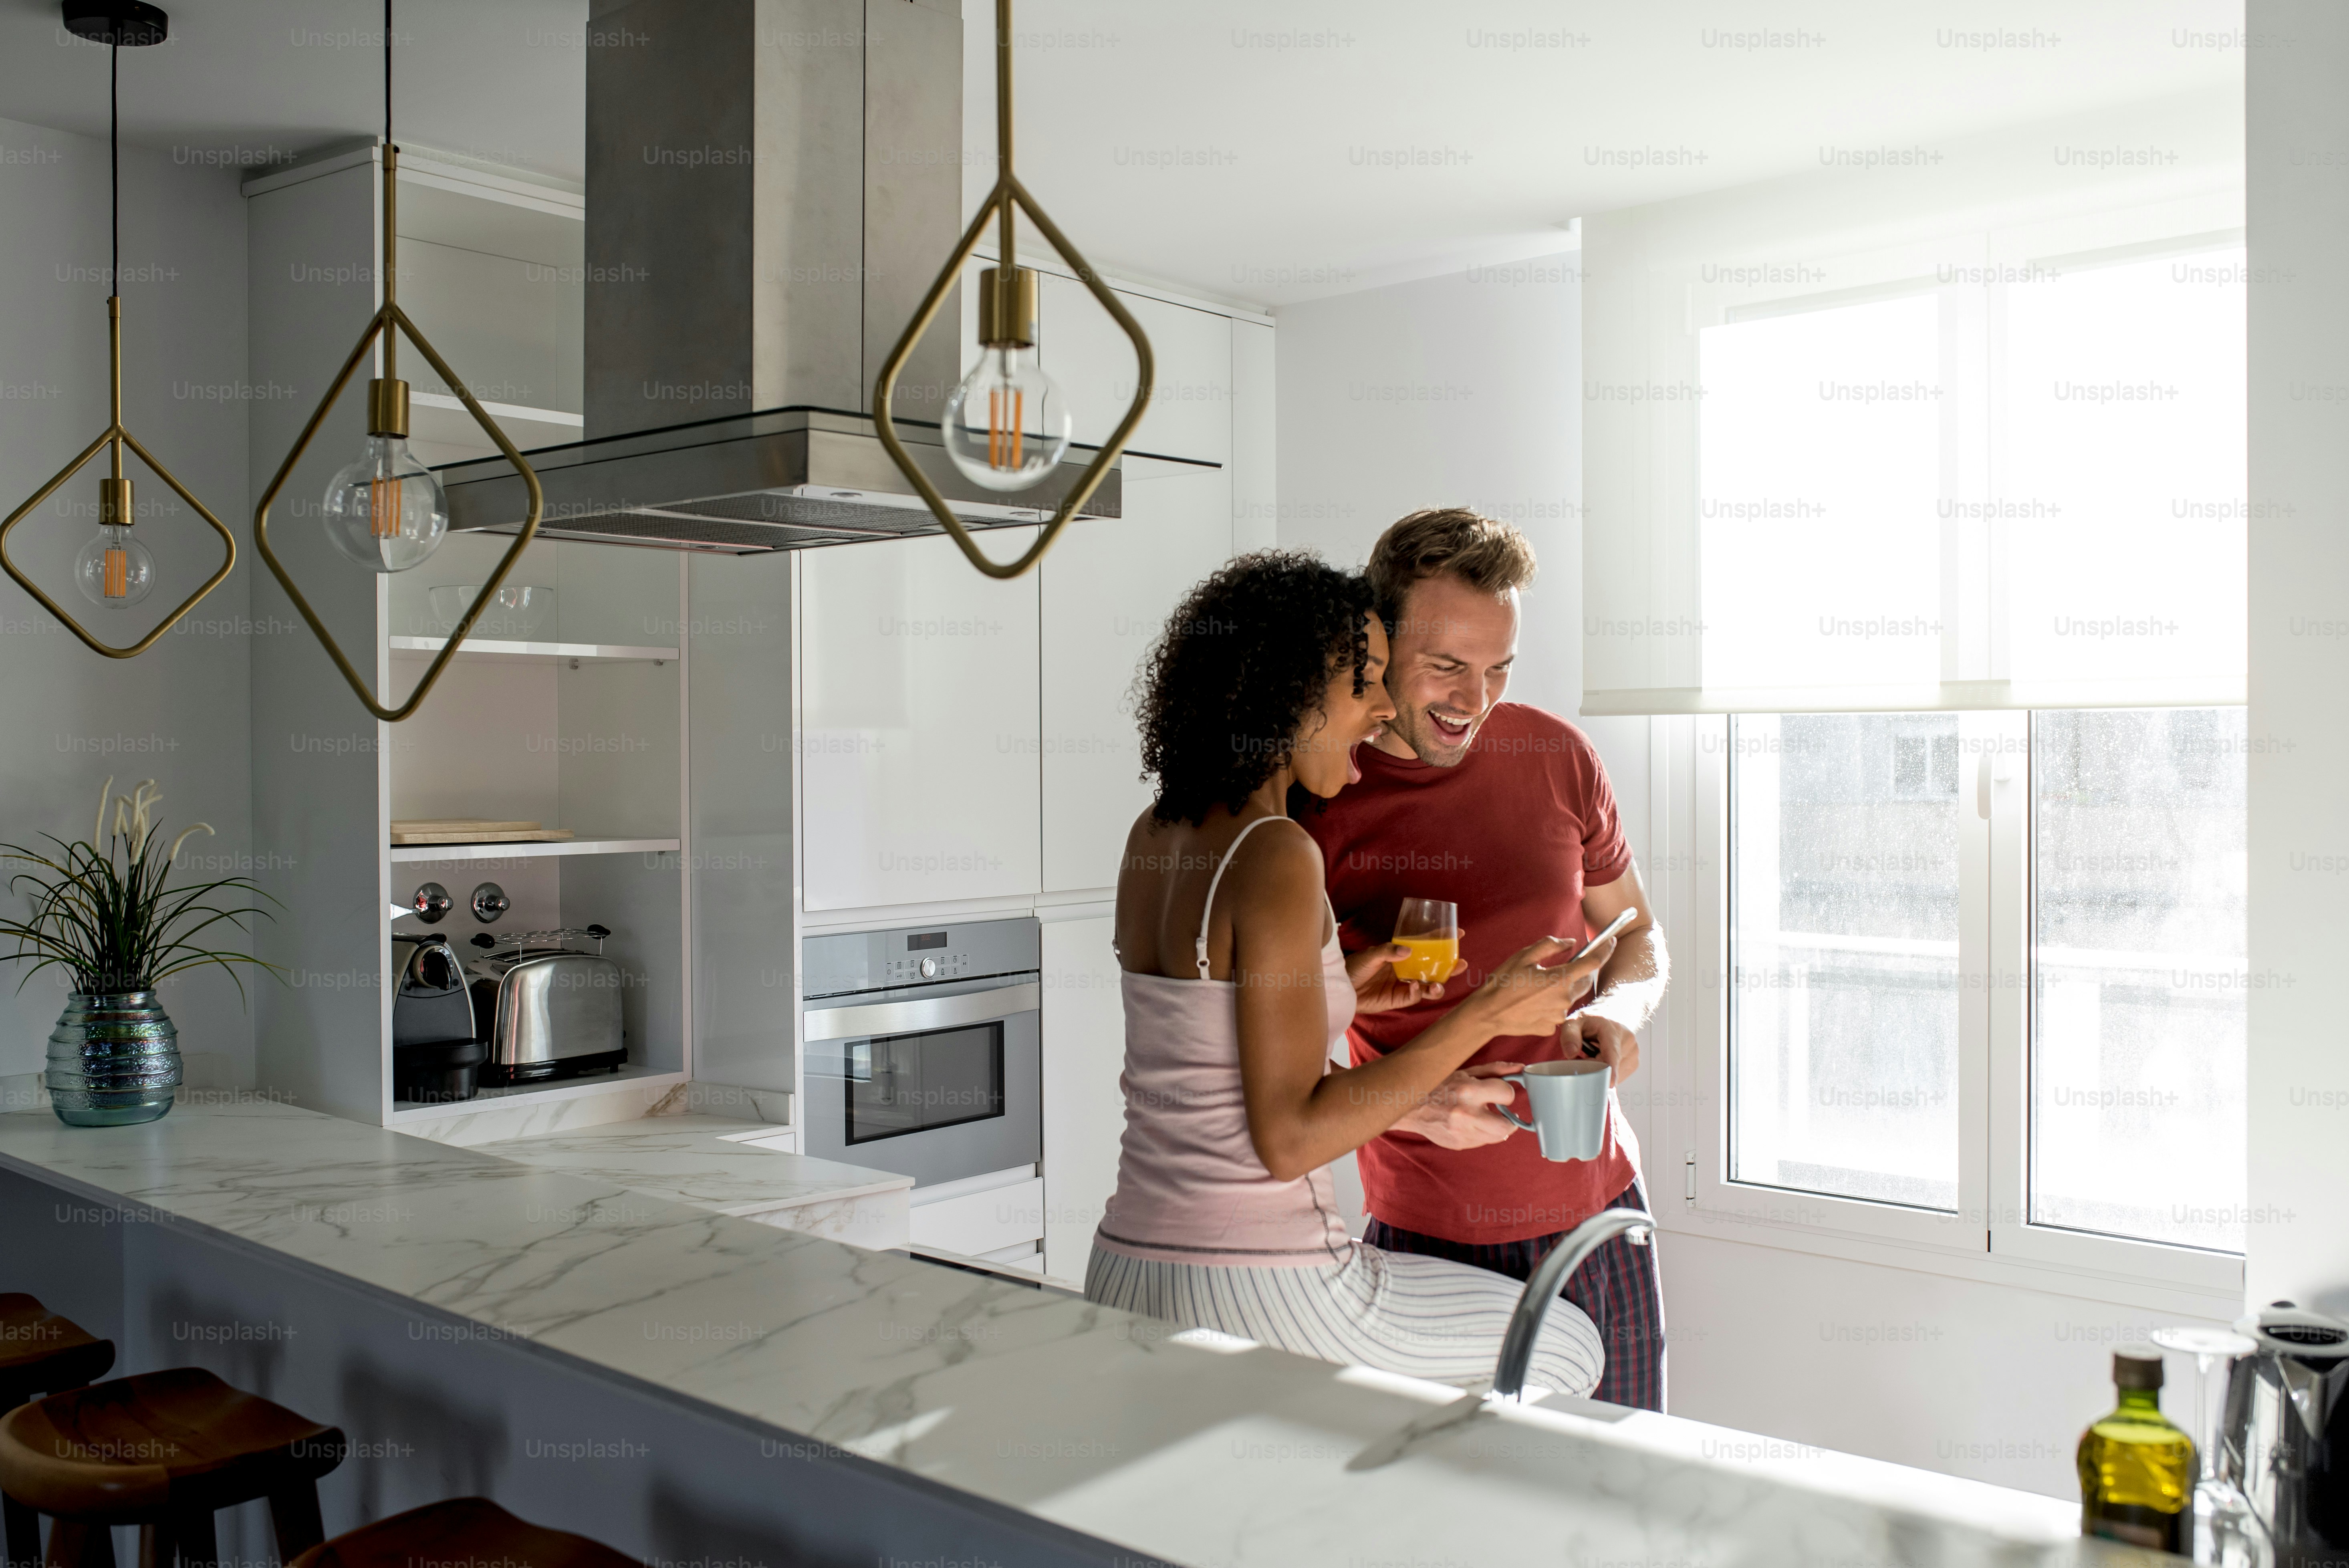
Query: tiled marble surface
x,y
691,1159
1096,1419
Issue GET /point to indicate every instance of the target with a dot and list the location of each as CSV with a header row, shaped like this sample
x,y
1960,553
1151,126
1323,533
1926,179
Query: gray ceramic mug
x,y
1569,1101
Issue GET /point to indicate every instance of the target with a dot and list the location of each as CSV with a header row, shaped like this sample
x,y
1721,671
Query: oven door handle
x,y
922,1013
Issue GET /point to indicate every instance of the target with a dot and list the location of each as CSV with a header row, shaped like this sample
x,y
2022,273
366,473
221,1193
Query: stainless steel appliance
x,y
735,316
2287,1430
547,1011
435,1053
924,1049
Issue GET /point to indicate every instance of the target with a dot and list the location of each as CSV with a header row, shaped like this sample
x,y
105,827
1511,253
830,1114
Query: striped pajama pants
x,y
1421,1316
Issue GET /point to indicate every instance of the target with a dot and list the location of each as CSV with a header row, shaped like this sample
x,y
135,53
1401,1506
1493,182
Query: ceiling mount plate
x,y
131,23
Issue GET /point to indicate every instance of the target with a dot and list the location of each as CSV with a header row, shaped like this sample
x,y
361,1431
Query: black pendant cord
x,y
387,73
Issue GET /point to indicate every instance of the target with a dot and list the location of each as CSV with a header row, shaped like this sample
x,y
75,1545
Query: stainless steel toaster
x,y
547,1011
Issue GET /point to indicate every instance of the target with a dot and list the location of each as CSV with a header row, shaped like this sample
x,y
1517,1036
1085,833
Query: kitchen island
x,y
735,1167
697,1388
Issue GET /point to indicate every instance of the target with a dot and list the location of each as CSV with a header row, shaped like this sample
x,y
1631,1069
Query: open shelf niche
x,y
552,725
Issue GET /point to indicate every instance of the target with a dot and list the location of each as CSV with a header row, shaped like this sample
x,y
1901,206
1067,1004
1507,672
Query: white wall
x,y
1457,390
179,713
2298,1193
1464,390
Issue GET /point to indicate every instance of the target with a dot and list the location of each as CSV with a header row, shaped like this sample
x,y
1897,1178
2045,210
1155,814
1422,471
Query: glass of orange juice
x,y
1431,929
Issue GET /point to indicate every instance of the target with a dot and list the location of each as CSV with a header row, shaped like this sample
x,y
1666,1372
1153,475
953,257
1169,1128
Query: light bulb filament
x,y
383,508
1003,438
117,572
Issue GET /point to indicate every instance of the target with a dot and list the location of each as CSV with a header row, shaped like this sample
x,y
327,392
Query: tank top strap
x,y
1199,948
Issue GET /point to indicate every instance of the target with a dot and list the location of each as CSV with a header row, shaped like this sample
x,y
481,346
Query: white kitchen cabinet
x,y
918,737
1190,412
1108,587
1084,1108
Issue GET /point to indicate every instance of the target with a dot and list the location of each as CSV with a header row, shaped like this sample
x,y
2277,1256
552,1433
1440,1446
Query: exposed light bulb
x,y
114,570
386,511
1008,425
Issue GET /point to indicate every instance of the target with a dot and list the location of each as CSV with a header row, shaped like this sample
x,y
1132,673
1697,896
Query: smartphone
x,y
1614,927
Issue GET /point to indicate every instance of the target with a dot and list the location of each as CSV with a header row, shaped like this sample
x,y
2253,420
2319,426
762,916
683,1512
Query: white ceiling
x,y
1230,147
500,79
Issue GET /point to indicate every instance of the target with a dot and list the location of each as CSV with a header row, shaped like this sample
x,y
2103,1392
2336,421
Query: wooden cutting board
x,y
474,830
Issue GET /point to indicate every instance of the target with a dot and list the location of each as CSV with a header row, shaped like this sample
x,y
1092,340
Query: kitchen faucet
x,y
1524,1323
1518,1343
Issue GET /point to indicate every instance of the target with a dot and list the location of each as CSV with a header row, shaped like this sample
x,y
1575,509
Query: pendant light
x,y
1007,426
114,570
385,510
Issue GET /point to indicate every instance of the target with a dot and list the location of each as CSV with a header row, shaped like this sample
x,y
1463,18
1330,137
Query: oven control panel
x,y
929,966
918,956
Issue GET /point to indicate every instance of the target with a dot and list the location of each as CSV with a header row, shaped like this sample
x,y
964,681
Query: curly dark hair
x,y
1244,658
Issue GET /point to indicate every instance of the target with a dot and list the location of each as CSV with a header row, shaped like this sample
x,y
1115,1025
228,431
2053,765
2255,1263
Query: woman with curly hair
x,y
1235,991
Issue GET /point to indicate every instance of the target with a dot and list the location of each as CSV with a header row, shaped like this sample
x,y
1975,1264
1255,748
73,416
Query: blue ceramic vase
x,y
113,1060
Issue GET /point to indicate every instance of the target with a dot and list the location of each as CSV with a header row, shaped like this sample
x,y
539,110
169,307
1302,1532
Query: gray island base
x,y
701,1390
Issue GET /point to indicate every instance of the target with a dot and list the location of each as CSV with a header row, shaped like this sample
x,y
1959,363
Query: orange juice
x,y
1432,957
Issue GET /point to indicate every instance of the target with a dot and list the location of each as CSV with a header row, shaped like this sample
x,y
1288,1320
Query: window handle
x,y
1989,770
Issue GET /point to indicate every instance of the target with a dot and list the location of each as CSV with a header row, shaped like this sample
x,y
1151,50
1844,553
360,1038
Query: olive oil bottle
x,y
2137,1471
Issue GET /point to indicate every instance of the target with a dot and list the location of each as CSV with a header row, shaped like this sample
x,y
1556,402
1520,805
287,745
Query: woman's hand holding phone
x,y
1525,996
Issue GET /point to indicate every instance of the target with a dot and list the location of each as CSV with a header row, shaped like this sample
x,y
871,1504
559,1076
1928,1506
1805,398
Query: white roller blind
x,y
1961,429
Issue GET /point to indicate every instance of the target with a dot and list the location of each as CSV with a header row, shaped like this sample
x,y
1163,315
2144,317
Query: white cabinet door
x,y
919,727
1109,585
1084,1109
1190,413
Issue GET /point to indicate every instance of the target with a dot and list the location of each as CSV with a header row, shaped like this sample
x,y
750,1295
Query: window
x,y
1986,965
2138,975
1845,955
1852,887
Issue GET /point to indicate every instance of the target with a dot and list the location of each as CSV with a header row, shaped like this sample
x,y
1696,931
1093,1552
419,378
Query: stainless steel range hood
x,y
771,186
785,478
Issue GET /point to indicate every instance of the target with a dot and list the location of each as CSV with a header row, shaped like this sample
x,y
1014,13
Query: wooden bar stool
x,y
461,1530
164,1450
40,1353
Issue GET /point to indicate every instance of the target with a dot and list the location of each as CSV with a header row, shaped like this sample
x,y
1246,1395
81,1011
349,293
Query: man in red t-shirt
x,y
1504,811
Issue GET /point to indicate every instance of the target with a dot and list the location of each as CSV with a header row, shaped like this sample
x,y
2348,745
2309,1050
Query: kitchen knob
x,y
490,901
929,968
430,902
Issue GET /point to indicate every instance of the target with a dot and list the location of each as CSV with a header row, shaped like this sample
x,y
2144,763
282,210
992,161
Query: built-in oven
x,y
924,1053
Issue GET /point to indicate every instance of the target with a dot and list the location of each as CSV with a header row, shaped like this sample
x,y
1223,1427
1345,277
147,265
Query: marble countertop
x,y
1173,1445
709,1161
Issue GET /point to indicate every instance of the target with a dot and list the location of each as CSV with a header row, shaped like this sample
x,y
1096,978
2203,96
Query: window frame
x,y
1687,1103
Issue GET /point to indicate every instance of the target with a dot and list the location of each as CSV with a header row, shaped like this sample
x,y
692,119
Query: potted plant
x,y
105,911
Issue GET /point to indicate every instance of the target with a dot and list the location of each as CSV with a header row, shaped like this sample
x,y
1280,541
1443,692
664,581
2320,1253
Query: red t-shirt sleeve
x,y
1606,853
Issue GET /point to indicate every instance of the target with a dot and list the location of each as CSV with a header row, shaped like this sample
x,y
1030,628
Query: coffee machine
x,y
436,1048
2287,1433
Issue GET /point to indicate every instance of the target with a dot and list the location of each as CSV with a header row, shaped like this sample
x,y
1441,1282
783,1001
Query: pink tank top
x,y
1190,1188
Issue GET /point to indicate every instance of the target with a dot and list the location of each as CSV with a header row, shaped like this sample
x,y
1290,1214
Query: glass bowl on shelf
x,y
515,612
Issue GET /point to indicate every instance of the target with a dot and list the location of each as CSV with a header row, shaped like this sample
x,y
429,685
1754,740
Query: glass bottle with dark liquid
x,y
2137,1469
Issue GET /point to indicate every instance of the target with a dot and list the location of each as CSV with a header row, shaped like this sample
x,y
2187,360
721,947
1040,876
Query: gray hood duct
x,y
770,187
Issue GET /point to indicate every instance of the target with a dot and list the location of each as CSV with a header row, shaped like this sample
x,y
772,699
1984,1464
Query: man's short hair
x,y
1489,555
